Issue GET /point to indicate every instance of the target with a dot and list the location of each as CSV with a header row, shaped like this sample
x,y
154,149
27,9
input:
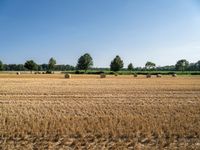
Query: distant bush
x,y
170,73
195,73
100,72
95,72
78,72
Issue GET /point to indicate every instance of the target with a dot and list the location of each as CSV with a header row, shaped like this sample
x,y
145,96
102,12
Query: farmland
x,y
86,112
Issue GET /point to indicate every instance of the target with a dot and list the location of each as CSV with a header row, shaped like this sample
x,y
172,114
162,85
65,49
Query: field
x,y
86,112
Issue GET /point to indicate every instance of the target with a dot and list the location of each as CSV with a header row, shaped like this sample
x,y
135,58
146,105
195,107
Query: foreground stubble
x,y
50,112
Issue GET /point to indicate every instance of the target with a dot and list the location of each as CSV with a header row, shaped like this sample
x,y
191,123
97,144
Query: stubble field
x,y
86,112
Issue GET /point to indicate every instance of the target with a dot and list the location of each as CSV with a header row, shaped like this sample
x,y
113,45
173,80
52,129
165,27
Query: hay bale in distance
x,y
102,75
158,75
68,76
135,75
18,73
148,76
174,75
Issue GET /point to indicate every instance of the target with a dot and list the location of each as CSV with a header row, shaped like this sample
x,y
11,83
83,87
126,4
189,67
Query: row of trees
x,y
42,67
85,62
50,67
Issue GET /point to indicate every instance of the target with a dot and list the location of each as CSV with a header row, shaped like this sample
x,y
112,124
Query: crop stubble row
x,y
123,106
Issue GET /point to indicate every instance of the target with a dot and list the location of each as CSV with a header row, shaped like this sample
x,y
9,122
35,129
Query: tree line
x,y
85,62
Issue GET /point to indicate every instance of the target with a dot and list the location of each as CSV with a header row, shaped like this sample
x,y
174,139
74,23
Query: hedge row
x,y
139,72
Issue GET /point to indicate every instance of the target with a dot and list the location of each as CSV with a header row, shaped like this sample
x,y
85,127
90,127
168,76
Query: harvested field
x,y
87,112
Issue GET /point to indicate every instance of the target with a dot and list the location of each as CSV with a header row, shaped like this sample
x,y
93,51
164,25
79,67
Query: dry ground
x,y
86,112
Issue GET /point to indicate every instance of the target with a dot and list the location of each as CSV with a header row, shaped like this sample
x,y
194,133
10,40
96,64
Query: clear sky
x,y
161,31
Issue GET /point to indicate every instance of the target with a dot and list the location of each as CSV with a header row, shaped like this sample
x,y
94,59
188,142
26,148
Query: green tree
x,y
1,65
182,65
85,62
197,64
150,65
51,64
192,67
30,65
116,64
130,67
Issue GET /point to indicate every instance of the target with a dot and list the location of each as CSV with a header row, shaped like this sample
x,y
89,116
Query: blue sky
x,y
161,31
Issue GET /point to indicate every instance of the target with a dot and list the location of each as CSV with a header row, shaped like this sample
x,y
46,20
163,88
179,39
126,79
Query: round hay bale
x,y
116,74
68,76
135,75
174,75
148,76
158,75
18,73
102,75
